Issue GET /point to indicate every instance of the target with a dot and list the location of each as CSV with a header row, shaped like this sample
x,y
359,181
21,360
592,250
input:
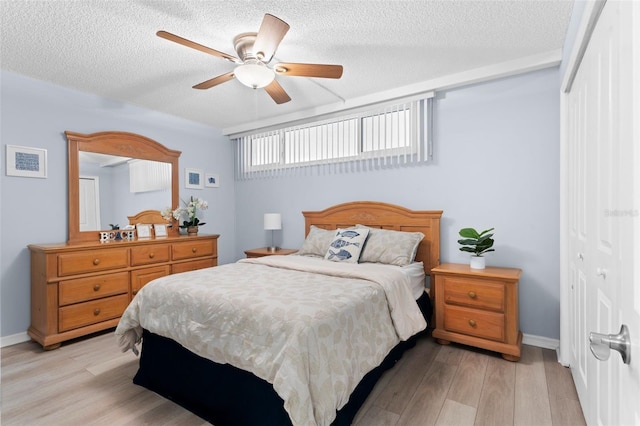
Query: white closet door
x,y
602,220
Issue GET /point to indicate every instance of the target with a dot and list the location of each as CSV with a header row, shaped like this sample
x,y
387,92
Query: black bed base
x,y
226,395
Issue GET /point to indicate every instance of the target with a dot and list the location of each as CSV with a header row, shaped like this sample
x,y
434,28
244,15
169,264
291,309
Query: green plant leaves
x,y
476,242
469,233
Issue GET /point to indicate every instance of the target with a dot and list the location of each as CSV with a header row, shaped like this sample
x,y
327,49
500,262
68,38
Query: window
x,y
388,136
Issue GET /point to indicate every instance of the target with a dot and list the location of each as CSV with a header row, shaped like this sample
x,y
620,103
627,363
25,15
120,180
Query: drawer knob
x,y
472,323
472,294
135,292
96,312
96,262
152,255
193,250
96,287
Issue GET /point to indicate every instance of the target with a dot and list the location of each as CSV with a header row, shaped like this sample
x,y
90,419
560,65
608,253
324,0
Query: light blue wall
x,y
35,114
496,164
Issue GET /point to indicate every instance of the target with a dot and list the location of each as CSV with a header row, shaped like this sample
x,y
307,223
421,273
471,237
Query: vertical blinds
x,y
391,136
145,176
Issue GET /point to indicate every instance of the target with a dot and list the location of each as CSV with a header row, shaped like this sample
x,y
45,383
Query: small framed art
x,y
26,162
193,179
212,180
143,230
160,229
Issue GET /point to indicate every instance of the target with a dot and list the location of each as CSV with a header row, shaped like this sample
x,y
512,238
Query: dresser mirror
x,y
113,175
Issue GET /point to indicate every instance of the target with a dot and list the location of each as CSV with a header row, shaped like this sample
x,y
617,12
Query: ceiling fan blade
x,y
308,70
270,34
277,93
194,45
215,81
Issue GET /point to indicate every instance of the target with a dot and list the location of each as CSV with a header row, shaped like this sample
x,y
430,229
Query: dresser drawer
x,y
81,314
83,289
92,261
176,268
147,254
189,250
474,293
140,277
474,322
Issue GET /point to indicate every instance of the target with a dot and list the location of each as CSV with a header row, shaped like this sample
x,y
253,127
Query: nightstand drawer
x,y
474,293
83,289
147,254
473,322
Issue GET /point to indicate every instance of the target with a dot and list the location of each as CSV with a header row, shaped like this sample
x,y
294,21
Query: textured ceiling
x,y
109,48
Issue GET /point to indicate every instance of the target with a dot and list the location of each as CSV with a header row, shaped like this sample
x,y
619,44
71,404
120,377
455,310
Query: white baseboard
x,y
540,341
14,339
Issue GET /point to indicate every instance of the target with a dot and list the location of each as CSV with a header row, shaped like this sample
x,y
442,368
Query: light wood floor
x,y
88,382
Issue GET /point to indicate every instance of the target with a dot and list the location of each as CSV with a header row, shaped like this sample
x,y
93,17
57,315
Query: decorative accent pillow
x,y
390,247
317,242
347,245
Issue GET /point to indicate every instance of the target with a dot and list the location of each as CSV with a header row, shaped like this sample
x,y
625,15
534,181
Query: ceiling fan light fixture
x,y
254,74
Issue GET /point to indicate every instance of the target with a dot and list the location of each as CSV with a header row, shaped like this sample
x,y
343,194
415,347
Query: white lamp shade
x,y
272,221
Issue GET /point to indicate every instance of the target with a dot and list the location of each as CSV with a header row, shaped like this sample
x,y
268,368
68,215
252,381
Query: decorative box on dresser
x,y
81,288
478,307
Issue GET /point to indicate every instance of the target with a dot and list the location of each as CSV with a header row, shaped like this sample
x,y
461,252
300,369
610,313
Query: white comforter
x,y
310,327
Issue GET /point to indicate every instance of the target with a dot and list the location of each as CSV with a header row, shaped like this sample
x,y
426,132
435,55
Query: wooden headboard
x,y
385,216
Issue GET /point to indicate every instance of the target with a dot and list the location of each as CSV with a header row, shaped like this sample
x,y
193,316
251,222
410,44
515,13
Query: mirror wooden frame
x,y
114,143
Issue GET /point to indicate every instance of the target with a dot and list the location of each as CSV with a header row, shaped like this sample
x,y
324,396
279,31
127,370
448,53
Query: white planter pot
x,y
476,262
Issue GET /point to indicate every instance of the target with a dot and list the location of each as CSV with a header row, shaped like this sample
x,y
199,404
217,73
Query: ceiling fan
x,y
255,51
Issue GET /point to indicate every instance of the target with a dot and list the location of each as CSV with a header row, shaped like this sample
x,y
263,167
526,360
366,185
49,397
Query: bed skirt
x,y
225,395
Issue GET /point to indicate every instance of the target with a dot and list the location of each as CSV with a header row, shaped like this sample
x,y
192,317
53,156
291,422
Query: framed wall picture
x,y
212,180
144,230
26,162
193,179
160,229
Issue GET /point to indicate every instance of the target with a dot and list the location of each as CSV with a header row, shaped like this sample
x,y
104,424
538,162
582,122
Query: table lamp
x,y
272,222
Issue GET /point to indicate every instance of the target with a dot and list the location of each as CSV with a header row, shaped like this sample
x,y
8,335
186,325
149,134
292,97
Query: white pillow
x,y
317,242
347,245
390,247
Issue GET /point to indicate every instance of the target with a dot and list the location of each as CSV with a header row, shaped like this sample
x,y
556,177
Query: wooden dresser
x,y
478,307
77,289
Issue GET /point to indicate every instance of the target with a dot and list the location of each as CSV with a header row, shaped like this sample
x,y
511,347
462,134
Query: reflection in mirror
x,y
113,187
121,150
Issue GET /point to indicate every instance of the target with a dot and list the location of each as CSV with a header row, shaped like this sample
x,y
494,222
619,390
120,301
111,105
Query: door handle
x,y
601,344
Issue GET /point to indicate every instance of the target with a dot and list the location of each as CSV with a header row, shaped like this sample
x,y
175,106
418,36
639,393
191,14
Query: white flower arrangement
x,y
189,211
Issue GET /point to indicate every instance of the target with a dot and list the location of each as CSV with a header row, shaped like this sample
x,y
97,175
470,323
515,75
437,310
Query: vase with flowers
x,y
188,213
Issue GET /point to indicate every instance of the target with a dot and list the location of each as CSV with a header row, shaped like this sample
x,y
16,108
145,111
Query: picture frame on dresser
x,y
160,230
143,230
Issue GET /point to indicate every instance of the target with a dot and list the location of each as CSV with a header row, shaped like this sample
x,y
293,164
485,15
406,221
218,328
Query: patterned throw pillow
x,y
390,247
347,245
317,242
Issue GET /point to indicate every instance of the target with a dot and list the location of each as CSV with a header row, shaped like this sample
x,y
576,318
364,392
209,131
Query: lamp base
x,y
273,249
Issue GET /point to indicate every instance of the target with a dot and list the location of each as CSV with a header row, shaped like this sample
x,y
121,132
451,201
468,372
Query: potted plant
x,y
189,211
476,243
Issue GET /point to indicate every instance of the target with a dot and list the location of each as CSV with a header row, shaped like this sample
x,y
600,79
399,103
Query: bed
x,y
318,334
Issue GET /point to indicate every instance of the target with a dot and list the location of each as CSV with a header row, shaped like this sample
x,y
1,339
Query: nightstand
x,y
264,251
478,307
